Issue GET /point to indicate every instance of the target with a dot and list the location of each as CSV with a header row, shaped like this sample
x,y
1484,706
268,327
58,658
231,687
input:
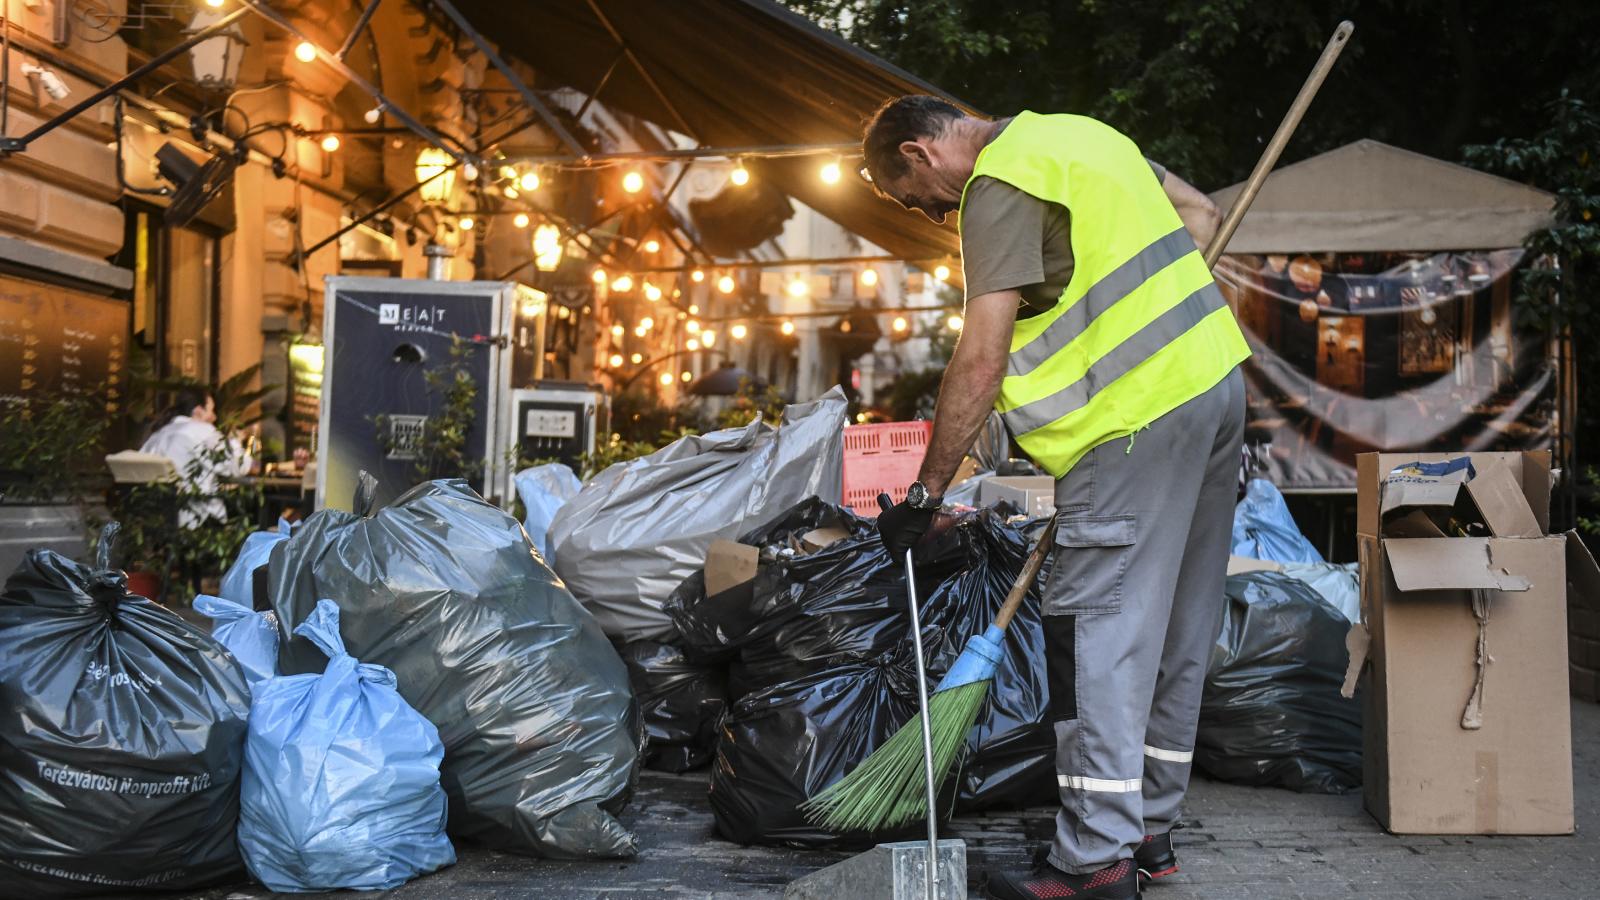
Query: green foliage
x,y
440,449
153,538
617,450
238,404
752,400
1200,85
52,448
912,395
1560,289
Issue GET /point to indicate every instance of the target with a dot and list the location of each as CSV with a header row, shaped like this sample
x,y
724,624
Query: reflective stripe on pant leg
x,y
1172,756
1103,785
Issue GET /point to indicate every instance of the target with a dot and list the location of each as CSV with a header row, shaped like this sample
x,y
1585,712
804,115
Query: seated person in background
x,y
187,434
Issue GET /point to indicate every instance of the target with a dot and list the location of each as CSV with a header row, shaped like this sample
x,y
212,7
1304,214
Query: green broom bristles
x,y
887,789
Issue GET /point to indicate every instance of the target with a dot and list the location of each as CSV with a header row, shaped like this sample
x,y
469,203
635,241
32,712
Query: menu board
x,y
55,341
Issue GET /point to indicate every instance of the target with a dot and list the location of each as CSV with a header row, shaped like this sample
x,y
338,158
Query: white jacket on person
x,y
191,442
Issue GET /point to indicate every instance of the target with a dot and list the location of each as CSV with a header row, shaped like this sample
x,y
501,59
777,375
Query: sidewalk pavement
x,y
1238,842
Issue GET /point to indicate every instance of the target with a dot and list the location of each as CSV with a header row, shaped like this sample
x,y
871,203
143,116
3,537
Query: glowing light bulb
x,y
830,173
787,328
697,276
520,220
799,288
694,309
640,332
739,332
941,273
954,323
637,358
305,51
510,192
213,3
687,376
846,327
692,326
900,323
330,143
869,277
529,181
616,330
372,116
647,323
740,176
467,223
651,292
508,173
708,338
725,284
469,171
616,360
652,246
623,284
598,276
633,182
666,378
692,344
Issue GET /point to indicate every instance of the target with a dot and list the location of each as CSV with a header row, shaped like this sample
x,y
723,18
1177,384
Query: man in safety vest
x,y
1093,326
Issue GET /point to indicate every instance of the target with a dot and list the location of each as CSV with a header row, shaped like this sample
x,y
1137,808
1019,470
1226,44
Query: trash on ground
x,y
1264,529
122,731
1271,713
252,637
639,528
341,777
543,491
540,729
681,701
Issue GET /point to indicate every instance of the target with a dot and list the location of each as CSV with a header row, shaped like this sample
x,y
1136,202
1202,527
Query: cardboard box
x,y
1035,495
1463,602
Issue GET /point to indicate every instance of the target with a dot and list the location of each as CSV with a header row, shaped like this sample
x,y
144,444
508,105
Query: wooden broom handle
x,y
1030,571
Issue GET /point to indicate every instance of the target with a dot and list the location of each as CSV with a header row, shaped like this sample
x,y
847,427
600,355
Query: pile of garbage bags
x,y
1264,529
1271,713
819,669
122,735
638,529
540,728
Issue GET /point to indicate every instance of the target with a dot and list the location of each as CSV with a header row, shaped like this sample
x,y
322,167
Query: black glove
x,y
901,526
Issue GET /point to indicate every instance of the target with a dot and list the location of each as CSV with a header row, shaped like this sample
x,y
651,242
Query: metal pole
x,y
18,144
355,31
762,150
932,869
1269,158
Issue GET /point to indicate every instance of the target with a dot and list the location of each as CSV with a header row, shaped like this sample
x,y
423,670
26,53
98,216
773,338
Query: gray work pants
x,y
1132,608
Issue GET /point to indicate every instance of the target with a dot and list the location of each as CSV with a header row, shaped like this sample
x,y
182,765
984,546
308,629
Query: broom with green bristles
x,y
889,787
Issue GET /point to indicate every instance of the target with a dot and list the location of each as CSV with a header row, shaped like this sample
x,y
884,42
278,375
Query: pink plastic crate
x,y
882,459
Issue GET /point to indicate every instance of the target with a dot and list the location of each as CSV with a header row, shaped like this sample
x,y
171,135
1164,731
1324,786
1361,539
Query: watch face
x,y
916,495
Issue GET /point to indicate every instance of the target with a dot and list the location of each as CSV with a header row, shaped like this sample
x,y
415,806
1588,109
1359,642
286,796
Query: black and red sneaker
x,y
1155,857
1118,881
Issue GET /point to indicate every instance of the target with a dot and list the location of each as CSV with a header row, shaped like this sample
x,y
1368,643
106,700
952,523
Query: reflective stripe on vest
x,y
1139,330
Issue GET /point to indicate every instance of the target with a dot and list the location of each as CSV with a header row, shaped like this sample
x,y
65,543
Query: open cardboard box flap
x,y
1431,564
1501,502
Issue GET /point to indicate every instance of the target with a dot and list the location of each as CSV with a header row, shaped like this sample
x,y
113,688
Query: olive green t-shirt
x,y
1012,240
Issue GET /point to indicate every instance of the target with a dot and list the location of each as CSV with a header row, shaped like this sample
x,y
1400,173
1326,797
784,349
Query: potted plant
x,y
52,469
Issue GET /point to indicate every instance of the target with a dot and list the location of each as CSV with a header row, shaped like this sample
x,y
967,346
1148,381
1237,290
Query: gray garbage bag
x,y
639,528
540,728
1271,713
1337,583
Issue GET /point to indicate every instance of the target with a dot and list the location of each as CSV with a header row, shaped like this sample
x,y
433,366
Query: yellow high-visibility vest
x,y
1140,329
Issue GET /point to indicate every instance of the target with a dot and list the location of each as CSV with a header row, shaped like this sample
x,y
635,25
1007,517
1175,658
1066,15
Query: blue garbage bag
x,y
341,777
252,637
544,490
255,551
1264,529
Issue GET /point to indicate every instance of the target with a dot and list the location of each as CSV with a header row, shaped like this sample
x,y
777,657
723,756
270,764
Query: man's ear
x,y
914,152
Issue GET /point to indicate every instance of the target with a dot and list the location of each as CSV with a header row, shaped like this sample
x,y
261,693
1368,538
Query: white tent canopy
x,y
1371,197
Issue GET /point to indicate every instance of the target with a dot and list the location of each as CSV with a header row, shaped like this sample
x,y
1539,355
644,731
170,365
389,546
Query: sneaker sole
x,y
1152,876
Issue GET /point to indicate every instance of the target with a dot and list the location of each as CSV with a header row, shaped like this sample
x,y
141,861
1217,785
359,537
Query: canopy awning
x,y
1370,197
739,73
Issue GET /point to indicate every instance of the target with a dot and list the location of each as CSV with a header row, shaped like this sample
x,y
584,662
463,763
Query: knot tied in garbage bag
x,y
341,779
540,728
122,732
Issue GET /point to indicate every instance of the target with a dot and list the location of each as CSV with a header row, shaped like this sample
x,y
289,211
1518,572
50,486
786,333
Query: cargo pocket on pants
x,y
1061,666
1091,559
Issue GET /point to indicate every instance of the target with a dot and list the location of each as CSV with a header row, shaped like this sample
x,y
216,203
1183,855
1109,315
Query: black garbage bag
x,y
780,746
846,605
681,702
1271,713
122,731
540,728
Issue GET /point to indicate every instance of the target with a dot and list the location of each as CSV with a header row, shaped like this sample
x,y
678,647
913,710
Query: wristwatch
x,y
917,497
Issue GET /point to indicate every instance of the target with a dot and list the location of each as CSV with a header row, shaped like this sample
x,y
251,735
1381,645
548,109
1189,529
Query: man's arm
x,y
971,382
1200,216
